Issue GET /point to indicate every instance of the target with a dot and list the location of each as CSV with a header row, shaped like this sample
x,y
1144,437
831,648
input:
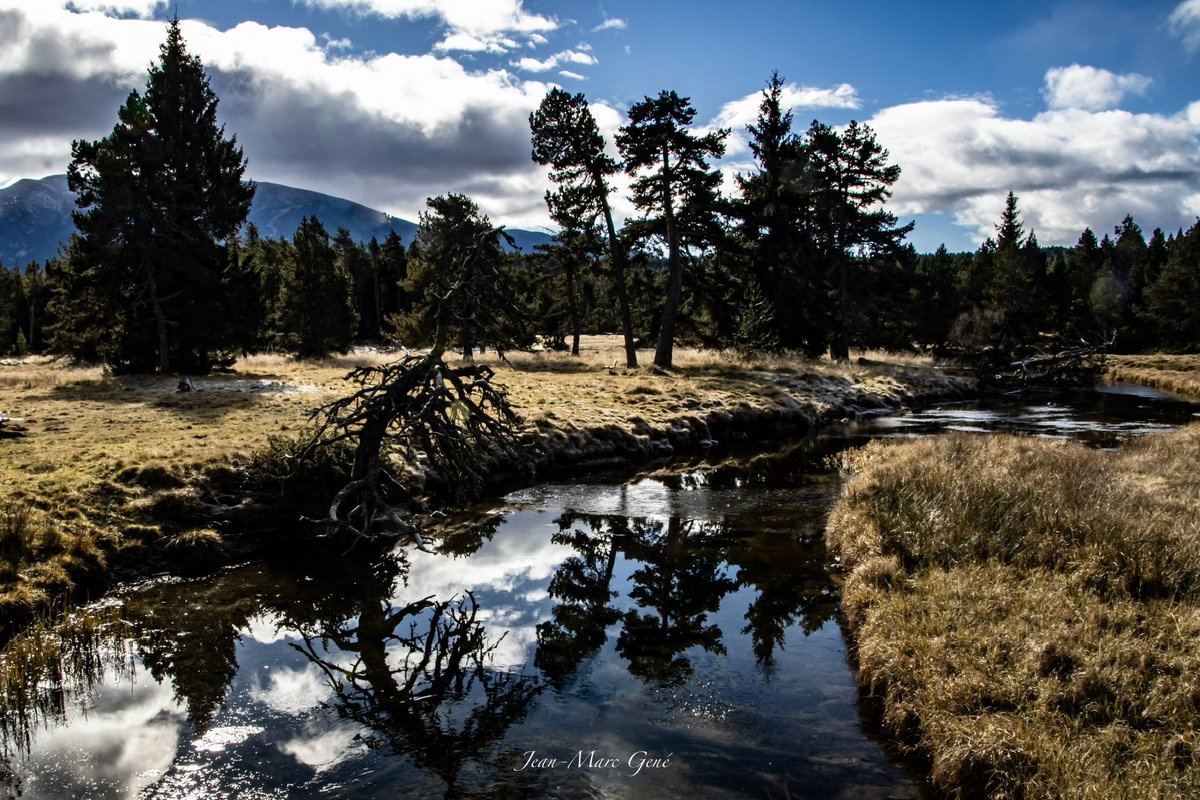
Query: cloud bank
x,y
390,130
472,25
1071,167
386,130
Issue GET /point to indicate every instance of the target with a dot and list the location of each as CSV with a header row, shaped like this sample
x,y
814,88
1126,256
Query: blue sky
x,y
1088,110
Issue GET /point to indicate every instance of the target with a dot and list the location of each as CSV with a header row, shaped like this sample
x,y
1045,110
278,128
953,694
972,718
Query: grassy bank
x,y
1177,374
1028,611
106,464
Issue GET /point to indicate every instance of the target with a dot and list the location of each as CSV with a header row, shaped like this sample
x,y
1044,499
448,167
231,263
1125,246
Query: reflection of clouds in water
x,y
521,551
293,691
324,749
516,565
122,743
220,739
646,498
515,651
506,615
267,629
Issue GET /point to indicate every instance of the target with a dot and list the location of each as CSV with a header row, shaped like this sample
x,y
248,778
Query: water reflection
x,y
1103,417
582,587
548,629
688,613
419,678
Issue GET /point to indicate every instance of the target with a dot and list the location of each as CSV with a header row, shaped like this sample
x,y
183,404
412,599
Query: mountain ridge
x,y
35,218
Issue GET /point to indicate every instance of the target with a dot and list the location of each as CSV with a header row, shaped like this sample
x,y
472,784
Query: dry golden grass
x,y
1028,611
1177,374
103,454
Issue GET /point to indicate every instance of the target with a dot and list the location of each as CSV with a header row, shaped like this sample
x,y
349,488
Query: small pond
x,y
676,635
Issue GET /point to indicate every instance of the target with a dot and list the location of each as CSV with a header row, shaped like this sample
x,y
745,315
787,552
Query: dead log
x,y
454,420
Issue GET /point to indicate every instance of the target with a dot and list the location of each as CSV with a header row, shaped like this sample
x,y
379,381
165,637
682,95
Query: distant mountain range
x,y
35,217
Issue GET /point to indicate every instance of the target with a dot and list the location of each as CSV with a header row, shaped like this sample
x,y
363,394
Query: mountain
x,y
35,216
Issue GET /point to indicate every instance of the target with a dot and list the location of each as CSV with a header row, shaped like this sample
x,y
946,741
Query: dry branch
x,y
452,420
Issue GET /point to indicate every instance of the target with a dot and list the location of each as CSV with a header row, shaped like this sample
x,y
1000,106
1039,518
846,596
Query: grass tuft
x,y
1028,611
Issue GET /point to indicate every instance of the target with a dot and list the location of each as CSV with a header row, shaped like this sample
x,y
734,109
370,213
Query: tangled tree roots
x,y
454,419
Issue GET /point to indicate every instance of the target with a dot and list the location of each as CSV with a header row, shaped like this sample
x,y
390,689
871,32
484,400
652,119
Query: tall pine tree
x,y
849,177
566,138
674,185
158,199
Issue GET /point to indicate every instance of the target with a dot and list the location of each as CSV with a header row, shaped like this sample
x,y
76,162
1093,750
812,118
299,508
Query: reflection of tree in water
x,y
581,584
681,581
420,677
793,588
189,633
463,536
190,638
45,671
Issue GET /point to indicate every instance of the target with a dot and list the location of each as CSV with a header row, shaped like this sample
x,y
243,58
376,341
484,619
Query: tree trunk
x,y
617,253
572,306
663,354
160,320
378,302
839,345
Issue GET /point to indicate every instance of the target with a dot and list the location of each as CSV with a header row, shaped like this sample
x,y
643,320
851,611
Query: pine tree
x,y
11,297
849,178
316,300
358,263
774,215
36,291
456,276
1173,300
566,138
157,198
674,185
391,267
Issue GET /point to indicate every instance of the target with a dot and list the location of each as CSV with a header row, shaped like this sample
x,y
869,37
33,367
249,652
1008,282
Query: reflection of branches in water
x,y
420,679
462,536
793,587
47,670
683,578
682,581
581,584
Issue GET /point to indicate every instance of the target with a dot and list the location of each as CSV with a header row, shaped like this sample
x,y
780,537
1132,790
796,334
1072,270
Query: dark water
x,y
673,636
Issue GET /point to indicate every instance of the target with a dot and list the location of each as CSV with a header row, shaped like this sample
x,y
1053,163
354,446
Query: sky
x,y
1088,111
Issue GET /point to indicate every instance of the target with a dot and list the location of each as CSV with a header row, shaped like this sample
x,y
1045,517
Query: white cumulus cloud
x,y
139,8
737,114
1072,168
473,25
611,24
558,59
1184,22
1090,88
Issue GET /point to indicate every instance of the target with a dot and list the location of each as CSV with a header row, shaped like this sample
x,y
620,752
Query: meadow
x,y
1026,612
110,470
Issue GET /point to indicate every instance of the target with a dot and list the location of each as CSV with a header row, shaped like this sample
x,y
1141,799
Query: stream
x,y
673,635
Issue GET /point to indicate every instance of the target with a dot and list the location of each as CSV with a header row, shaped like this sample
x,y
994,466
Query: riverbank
x,y
114,471
1027,611
1176,374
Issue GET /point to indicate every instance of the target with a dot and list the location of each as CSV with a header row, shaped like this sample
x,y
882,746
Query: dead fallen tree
x,y
1072,364
452,421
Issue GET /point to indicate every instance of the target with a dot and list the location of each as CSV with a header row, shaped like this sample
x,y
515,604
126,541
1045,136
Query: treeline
x,y
804,257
